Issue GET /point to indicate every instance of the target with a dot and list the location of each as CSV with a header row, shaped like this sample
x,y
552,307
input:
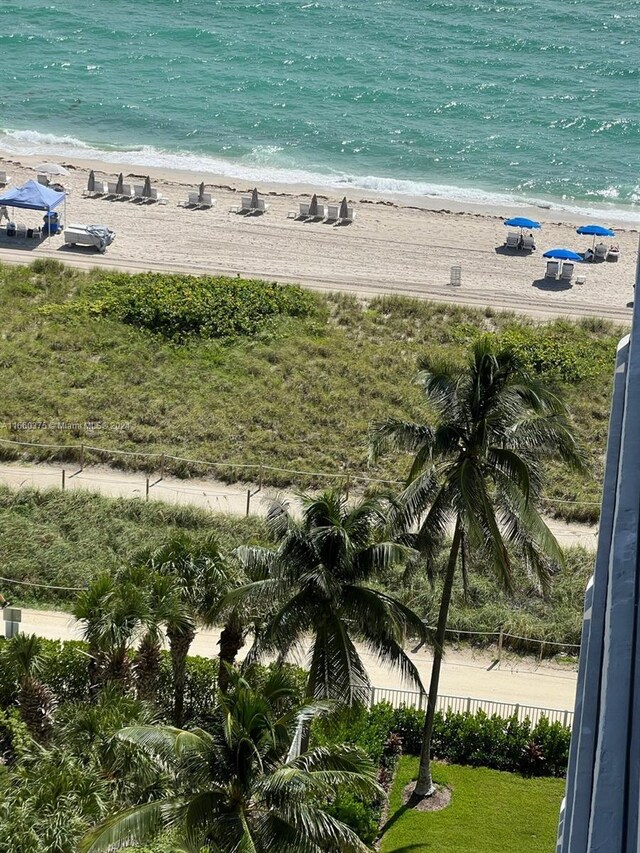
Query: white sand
x,y
396,245
465,672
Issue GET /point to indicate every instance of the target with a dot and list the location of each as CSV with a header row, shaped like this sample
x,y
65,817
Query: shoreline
x,y
543,212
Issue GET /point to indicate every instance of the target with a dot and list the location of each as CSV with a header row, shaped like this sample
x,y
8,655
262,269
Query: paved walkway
x,y
464,673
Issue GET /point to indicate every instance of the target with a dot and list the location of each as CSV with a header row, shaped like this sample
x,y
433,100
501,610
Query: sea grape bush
x,y
560,351
180,306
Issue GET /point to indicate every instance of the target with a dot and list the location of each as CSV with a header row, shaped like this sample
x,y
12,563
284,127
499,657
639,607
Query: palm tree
x,y
235,788
201,576
114,610
317,583
35,700
165,606
477,470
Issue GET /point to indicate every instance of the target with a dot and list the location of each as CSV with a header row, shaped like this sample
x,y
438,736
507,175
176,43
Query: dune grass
x,y
301,393
66,538
490,812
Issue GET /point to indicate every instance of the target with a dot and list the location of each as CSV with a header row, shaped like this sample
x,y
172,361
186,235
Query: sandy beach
x,y
397,245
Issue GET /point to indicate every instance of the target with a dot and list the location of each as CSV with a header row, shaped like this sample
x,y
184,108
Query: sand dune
x,y
399,245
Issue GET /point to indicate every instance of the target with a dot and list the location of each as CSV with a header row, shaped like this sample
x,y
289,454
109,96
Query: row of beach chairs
x,y
129,192
323,213
520,242
4,180
559,271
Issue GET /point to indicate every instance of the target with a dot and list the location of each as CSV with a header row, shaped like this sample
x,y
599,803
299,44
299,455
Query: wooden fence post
x,y
63,478
500,638
82,457
146,489
248,501
162,467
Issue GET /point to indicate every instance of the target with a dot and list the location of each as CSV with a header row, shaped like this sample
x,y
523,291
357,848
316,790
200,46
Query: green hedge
x,y
474,739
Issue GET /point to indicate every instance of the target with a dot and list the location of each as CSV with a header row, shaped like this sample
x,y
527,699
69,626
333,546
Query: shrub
x,y
561,351
182,306
363,817
462,738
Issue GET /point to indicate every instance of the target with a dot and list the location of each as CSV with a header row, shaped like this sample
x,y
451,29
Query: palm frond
x,y
138,824
336,670
396,435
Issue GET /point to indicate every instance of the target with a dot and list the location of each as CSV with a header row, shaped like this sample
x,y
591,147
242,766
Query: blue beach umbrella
x,y
597,231
562,255
522,222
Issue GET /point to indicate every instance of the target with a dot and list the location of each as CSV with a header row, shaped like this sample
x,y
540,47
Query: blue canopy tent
x,y
33,196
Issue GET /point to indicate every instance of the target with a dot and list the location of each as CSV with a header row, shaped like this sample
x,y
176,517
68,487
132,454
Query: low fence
x,y
462,704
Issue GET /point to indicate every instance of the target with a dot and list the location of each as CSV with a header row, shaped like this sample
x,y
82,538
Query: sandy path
x,y
208,494
396,247
465,673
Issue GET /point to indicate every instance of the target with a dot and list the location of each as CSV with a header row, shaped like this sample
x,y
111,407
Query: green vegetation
x,y
67,539
490,812
179,307
478,465
299,392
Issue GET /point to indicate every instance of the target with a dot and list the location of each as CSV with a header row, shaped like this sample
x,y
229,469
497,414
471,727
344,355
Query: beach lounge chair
x,y
44,180
138,193
244,206
4,180
513,240
348,219
567,271
112,189
192,200
600,252
333,211
206,202
553,267
528,243
262,206
127,193
301,213
156,197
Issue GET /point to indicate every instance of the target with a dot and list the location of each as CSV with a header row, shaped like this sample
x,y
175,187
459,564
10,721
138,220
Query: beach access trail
x,y
465,672
398,246
209,494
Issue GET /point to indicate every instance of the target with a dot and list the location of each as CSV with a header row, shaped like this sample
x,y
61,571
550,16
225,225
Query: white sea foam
x,y
31,142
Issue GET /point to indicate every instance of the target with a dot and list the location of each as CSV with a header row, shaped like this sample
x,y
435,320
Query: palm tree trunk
x,y
146,666
305,734
424,785
179,645
231,641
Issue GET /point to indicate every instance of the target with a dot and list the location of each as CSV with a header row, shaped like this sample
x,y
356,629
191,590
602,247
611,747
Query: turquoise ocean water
x,y
492,100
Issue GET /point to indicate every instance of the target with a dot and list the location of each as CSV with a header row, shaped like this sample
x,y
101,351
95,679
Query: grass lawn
x,y
299,392
491,812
